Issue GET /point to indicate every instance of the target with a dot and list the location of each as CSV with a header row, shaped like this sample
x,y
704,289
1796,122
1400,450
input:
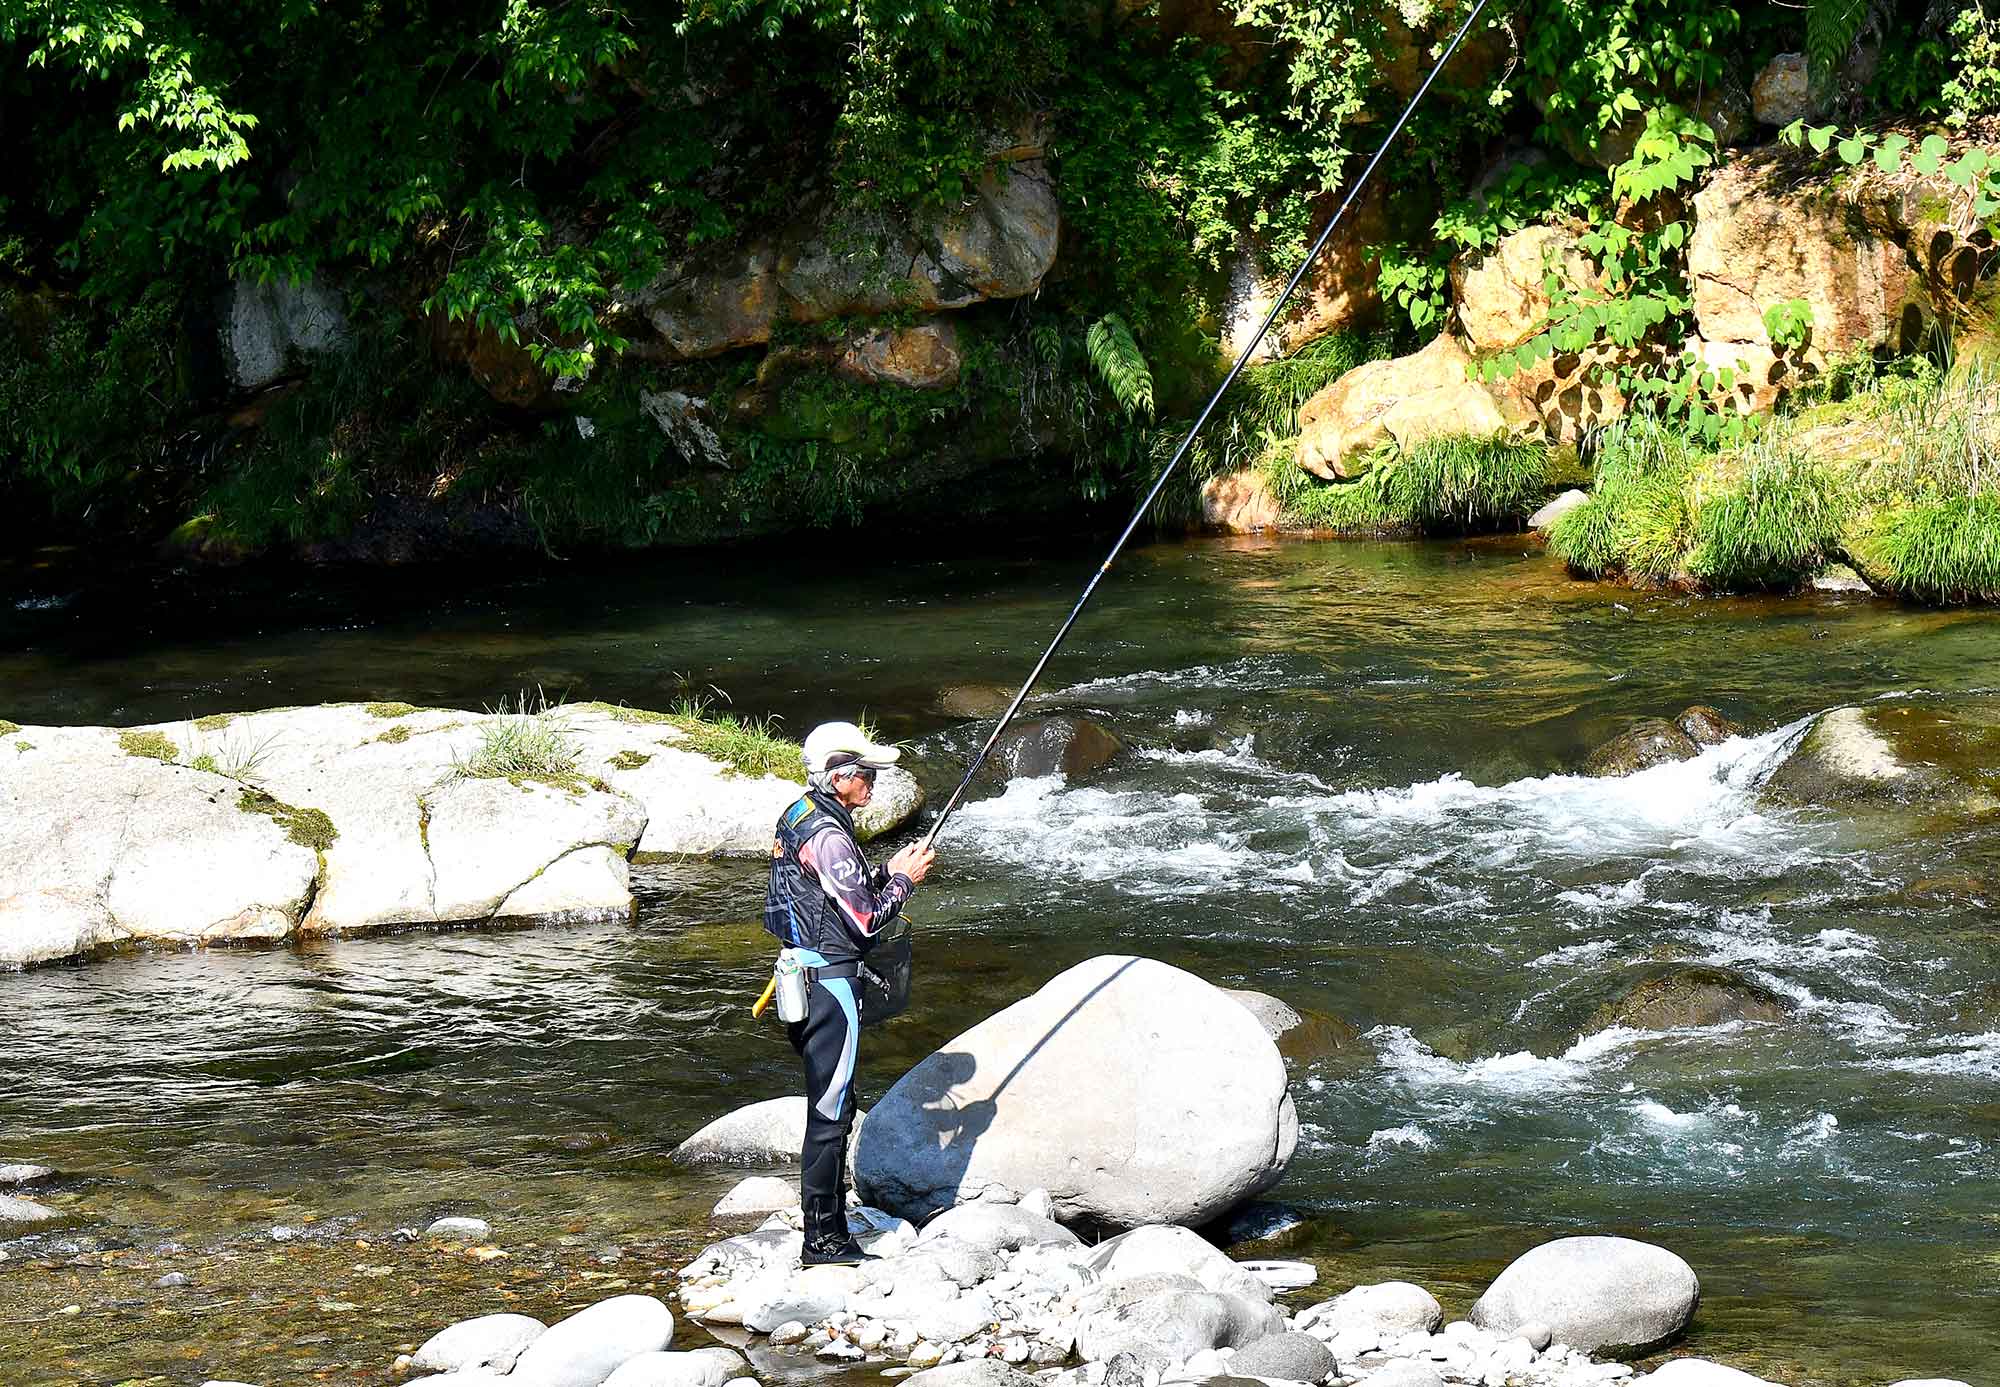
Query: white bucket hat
x,y
834,746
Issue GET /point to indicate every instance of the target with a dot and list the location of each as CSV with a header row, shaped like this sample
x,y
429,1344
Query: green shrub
x,y
1638,519
1586,538
1939,551
1462,483
1777,523
1350,508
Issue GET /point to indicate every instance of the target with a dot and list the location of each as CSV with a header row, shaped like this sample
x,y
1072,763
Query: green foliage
x,y
1831,28
1116,358
309,828
1778,521
1462,483
1975,173
1939,551
1972,89
1638,519
1789,324
1358,507
1605,63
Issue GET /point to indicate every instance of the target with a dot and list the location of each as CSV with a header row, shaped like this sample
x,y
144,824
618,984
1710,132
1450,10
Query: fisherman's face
x,y
854,788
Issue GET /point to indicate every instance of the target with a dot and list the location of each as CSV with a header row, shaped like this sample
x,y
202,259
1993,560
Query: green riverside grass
x,y
1777,524
524,741
749,746
1939,551
1454,484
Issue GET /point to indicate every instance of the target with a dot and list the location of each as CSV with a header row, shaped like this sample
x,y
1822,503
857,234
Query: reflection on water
x,y
1347,785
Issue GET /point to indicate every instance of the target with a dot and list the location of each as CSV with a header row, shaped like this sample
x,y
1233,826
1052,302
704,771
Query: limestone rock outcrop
x,y
1501,298
1404,400
1190,1112
272,327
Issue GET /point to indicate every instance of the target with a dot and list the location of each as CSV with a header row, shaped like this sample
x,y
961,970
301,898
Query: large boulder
x,y
105,841
1387,1310
1599,1294
1342,424
833,262
1768,230
923,356
1699,1372
494,1341
1190,1110
1501,296
1063,744
770,1132
269,328
1676,996
1937,758
1240,503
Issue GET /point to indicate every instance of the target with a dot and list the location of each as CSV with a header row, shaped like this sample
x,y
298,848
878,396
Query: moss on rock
x,y
389,710
310,828
156,745
629,760
395,735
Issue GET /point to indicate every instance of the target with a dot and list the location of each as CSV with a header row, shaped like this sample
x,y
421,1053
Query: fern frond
x,y
1831,28
1116,358
1046,339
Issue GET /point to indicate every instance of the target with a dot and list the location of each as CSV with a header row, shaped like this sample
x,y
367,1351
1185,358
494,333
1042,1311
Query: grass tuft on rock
x,y
524,740
395,736
1938,551
747,746
8,729
1461,483
389,710
1774,524
310,828
214,722
629,760
1345,508
154,745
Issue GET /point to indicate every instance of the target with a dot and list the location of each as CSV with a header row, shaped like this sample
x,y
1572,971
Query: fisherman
x,y
829,904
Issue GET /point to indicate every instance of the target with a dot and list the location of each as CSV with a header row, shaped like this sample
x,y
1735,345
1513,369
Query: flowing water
x,y
1349,782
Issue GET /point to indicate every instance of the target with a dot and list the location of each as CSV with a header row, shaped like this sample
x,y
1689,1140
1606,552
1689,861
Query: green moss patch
x,y
154,745
214,722
389,710
629,760
309,828
395,735
8,729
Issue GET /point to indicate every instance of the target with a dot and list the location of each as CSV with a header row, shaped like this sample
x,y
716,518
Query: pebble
x,y
838,1349
173,1279
790,1332
284,1233
1538,1335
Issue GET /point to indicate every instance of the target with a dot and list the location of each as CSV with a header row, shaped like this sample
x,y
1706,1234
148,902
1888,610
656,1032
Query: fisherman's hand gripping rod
x,y
1174,462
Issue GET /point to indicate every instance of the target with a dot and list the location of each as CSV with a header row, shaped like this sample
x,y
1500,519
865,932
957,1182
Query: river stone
x,y
1259,1222
1679,996
1928,1382
1935,758
1699,1372
760,1194
489,1340
760,1133
703,1367
1158,1249
994,1227
23,1173
1501,295
1389,1309
1647,743
1594,1293
1555,510
1064,745
271,326
590,1345
1704,726
976,1372
460,1229
1190,1114
1406,1373
1293,1356
957,1319
808,1303
15,1210
1178,1323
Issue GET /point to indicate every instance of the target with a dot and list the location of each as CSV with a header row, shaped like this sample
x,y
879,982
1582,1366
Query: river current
x,y
1350,780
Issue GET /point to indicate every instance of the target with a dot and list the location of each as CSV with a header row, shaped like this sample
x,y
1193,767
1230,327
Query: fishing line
x,y
1173,464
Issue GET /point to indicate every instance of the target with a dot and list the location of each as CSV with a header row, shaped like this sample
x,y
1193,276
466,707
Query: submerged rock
x,y
1647,743
17,1210
1190,1112
1065,745
1941,759
1594,1293
1704,726
1684,995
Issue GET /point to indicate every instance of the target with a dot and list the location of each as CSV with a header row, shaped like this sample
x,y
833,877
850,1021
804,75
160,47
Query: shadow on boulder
x,y
1064,744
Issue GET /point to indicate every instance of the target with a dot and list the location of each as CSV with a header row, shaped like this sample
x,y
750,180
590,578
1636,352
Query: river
x,y
1349,782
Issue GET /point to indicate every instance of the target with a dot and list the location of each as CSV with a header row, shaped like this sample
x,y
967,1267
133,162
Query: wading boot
x,y
831,1253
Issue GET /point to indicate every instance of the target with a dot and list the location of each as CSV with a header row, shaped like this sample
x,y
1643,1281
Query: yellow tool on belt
x,y
770,991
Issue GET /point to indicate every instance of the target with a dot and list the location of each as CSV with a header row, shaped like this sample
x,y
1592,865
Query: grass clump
x,y
389,710
748,746
1777,522
523,741
309,828
1938,551
8,729
1463,483
1349,508
395,736
629,760
238,756
1639,519
214,722
154,745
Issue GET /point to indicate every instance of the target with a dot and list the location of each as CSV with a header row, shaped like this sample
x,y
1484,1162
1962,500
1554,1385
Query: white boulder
x,y
768,1132
1594,1293
492,1341
17,1210
760,1194
702,1367
1190,1112
996,1228
586,1348
1388,1309
1699,1372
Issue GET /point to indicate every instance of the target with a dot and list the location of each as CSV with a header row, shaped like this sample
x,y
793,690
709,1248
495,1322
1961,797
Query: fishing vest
x,y
796,908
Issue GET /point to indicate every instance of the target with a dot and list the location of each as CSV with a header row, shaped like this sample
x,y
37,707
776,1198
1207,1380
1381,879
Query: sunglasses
x,y
864,773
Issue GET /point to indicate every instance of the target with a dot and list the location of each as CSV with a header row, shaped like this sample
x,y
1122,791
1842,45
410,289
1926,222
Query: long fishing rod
x,y
1242,360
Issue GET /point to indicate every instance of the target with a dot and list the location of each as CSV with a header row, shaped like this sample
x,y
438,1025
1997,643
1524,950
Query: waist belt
x,y
849,969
